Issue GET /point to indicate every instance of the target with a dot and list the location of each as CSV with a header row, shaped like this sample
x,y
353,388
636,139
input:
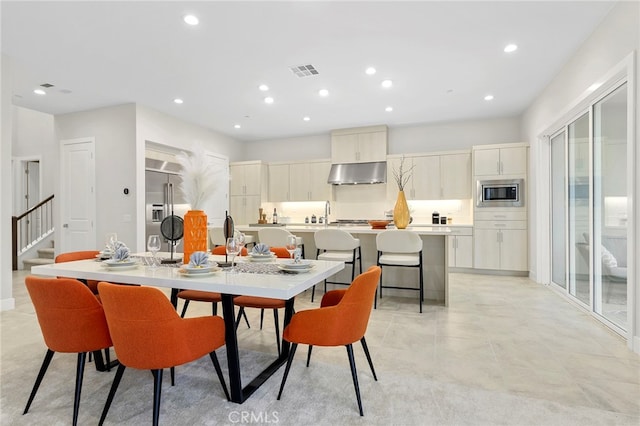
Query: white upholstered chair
x,y
340,246
400,248
277,237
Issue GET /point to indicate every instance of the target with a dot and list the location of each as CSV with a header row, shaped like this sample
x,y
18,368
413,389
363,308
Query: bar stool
x,y
400,248
277,237
337,245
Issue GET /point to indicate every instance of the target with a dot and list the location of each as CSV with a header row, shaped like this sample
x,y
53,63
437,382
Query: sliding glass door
x,y
589,207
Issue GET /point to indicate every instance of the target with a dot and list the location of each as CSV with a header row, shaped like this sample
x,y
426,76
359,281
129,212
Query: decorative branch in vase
x,y
401,214
199,183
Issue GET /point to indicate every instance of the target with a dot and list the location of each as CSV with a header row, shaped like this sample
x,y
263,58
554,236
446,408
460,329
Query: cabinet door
x,y
344,148
451,250
319,189
279,182
513,161
513,250
392,186
464,251
251,210
237,208
372,146
455,176
486,249
486,162
300,177
253,175
236,180
426,177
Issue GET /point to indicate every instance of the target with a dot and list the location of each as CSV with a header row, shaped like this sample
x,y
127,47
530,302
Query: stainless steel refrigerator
x,y
161,188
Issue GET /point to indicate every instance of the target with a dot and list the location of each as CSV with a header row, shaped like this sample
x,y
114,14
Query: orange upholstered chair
x,y
222,250
263,303
148,334
80,255
72,321
334,325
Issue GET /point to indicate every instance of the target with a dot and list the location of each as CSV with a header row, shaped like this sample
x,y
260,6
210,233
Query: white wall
x,y
402,140
33,137
114,130
614,39
6,292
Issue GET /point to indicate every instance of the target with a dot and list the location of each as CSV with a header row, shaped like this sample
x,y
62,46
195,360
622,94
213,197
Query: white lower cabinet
x,y
460,249
500,245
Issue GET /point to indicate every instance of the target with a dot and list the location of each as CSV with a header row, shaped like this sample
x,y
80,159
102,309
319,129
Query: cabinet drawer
x,y
500,215
500,224
462,231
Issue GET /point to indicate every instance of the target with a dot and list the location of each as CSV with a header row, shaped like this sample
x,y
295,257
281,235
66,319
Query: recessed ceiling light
x,y
387,83
488,98
370,71
268,100
263,87
306,118
191,19
388,109
236,126
510,48
39,92
178,100
323,92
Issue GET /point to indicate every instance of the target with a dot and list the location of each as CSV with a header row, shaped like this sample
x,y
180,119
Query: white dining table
x,y
281,285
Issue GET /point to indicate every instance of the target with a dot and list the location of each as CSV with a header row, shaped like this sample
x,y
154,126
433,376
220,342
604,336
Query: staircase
x,y
45,257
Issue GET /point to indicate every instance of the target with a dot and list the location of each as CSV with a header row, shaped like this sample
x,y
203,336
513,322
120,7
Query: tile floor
x,y
506,335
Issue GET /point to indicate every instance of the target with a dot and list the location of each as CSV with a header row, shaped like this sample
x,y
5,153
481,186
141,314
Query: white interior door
x,y
77,195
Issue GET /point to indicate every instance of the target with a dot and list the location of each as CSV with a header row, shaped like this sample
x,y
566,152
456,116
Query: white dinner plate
x,y
186,273
303,264
121,267
261,257
112,263
195,270
287,268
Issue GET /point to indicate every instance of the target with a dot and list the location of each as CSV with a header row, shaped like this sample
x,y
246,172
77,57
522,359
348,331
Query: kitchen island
x,y
434,257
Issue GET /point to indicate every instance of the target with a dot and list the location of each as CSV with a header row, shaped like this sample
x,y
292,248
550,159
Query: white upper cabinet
x,y
279,183
308,181
433,177
247,178
455,176
500,161
359,145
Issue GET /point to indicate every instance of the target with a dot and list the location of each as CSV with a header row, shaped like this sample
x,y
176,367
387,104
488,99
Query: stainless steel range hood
x,y
358,173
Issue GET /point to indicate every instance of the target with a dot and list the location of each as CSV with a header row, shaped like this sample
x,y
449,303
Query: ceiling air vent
x,y
304,70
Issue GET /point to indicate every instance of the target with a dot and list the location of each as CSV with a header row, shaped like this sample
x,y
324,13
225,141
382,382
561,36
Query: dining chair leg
x,y
277,324
313,293
241,314
309,355
366,352
172,372
214,308
354,375
216,365
157,393
261,318
184,308
112,393
292,352
82,358
43,369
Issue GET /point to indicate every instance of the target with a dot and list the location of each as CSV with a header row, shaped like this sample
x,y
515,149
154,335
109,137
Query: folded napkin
x,y
199,258
121,253
261,248
118,244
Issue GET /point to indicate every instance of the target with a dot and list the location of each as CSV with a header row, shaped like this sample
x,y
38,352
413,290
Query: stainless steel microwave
x,y
500,193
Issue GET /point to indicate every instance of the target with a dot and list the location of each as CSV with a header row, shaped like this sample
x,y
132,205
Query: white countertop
x,y
421,230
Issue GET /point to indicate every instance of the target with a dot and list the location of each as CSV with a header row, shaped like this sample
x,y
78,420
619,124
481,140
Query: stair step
x,y
46,253
28,263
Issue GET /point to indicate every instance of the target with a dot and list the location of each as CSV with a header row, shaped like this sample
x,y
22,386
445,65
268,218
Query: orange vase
x,y
401,214
195,233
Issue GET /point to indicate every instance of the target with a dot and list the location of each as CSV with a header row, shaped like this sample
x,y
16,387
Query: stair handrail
x,y
44,214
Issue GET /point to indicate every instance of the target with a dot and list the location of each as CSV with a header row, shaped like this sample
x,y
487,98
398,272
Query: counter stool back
x,y
277,237
340,246
400,248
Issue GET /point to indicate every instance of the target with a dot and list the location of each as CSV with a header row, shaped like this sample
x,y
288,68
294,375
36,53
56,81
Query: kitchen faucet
x,y
327,211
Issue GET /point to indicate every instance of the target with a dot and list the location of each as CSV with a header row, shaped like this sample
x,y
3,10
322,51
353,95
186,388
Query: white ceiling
x,y
443,58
